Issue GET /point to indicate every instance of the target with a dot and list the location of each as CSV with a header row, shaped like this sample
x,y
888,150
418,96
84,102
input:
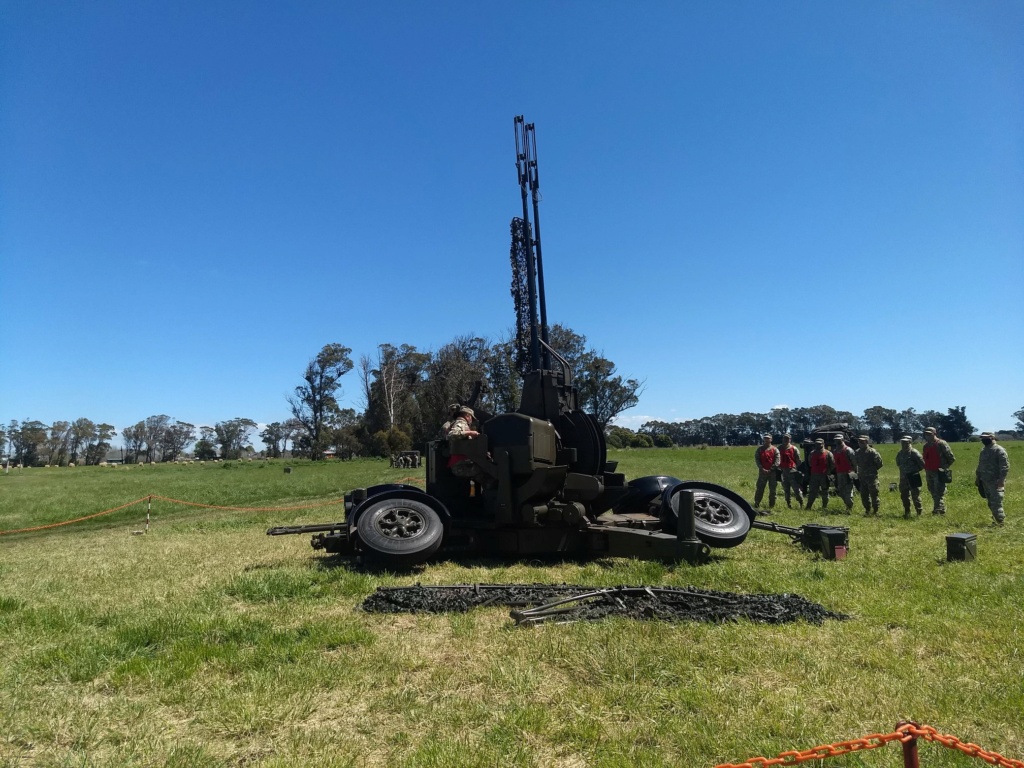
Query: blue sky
x,y
746,204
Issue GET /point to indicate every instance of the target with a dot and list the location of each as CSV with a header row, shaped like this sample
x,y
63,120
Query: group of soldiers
x,y
853,469
405,461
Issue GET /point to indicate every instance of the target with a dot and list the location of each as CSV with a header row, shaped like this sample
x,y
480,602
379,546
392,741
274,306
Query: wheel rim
x,y
712,510
400,523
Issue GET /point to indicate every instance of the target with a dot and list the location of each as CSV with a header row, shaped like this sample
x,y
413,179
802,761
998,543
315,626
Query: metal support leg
x,y
688,546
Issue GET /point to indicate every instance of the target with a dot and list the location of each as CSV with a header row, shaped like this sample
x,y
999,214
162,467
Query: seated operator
x,y
459,463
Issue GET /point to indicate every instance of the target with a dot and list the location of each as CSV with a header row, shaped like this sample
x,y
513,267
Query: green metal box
x,y
961,546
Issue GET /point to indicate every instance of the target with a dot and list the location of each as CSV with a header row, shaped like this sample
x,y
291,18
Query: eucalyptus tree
x,y
315,400
232,436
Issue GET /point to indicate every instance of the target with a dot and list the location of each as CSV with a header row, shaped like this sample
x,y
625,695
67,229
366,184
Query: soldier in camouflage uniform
x,y
938,458
910,463
804,467
821,464
766,458
846,465
789,459
458,463
869,461
993,467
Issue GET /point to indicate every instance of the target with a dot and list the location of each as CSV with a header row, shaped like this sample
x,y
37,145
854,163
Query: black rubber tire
x,y
399,532
642,491
722,518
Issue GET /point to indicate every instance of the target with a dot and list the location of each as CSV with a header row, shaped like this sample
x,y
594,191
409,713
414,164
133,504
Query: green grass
x,y
206,642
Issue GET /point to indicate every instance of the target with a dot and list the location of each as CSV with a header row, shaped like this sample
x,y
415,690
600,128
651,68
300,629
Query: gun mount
x,y
539,479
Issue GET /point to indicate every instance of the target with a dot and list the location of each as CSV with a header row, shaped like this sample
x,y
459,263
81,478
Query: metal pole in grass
x,y
149,507
910,759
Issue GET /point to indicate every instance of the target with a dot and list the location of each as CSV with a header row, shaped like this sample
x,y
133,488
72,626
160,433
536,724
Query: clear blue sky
x,y
747,204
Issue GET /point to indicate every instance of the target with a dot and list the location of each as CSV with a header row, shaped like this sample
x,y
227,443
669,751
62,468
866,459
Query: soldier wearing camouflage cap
x,y
460,464
846,464
869,461
938,458
993,467
910,464
789,459
821,465
767,458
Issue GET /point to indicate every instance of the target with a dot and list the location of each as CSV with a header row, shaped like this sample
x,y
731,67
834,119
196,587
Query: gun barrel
x,y
287,530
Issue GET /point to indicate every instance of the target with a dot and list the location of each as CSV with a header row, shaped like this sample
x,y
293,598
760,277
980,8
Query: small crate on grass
x,y
961,546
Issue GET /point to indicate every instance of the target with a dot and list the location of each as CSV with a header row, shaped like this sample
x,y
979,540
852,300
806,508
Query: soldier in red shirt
x,y
822,465
846,464
789,458
766,457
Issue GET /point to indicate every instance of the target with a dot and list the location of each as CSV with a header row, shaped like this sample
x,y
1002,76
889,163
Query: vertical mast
x,y
529,183
523,169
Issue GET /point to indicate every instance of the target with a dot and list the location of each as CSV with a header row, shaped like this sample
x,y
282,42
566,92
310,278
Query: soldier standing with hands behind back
x,y
766,457
938,458
789,458
846,462
821,464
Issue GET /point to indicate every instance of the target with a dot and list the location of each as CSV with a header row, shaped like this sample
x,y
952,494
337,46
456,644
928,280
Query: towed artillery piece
x,y
540,481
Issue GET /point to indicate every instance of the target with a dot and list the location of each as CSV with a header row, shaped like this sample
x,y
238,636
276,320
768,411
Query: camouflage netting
x,y
535,603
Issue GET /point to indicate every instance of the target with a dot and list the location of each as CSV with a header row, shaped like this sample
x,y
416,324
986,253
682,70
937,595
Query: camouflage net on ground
x,y
536,603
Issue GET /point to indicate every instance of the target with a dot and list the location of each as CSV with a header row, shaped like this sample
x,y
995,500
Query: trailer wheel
x,y
721,517
400,532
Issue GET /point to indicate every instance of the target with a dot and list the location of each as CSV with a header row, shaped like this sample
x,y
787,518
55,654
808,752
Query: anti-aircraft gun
x,y
540,480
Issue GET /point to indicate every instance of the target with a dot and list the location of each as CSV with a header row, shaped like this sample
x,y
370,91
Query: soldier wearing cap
x,y
869,461
767,458
460,464
821,465
990,477
938,458
804,467
846,464
789,458
910,464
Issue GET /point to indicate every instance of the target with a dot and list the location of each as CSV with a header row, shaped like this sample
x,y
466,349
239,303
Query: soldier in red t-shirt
x,y
822,465
846,465
766,457
789,458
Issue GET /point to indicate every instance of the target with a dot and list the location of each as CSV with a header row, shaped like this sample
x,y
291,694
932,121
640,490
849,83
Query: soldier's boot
x,y
906,512
876,511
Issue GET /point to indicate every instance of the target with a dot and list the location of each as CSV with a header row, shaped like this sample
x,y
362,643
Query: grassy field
x,y
206,642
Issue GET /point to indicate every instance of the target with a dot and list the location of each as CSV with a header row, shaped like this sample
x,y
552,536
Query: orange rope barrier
x,y
76,520
249,509
173,501
904,733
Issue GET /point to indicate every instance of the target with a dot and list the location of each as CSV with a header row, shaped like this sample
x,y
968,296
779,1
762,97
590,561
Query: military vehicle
x,y
539,481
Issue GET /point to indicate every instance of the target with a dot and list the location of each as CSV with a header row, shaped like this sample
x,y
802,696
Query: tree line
x,y
405,394
881,424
